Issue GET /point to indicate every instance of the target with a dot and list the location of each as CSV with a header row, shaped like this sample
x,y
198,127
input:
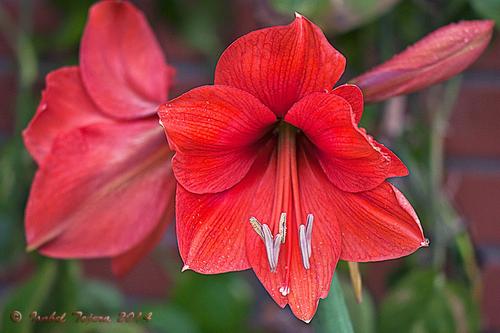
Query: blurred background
x,y
448,136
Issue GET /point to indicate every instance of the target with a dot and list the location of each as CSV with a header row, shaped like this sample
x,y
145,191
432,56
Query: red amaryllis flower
x,y
275,174
104,187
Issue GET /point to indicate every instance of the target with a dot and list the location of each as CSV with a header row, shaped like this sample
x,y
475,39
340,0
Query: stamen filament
x,y
310,220
276,252
304,246
268,241
272,244
305,238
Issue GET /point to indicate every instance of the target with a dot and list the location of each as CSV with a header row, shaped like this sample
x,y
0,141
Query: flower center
x,y
286,208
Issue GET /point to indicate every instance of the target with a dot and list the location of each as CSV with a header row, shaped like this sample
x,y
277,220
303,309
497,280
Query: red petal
x,y
122,65
215,131
397,167
279,65
64,106
346,155
308,286
353,95
263,190
100,192
440,55
379,224
211,227
123,263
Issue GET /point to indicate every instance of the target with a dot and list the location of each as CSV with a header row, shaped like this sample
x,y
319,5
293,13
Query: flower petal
x,y
304,286
100,192
397,167
211,227
123,263
281,64
64,106
216,132
347,156
379,224
122,64
262,209
437,57
353,95
308,286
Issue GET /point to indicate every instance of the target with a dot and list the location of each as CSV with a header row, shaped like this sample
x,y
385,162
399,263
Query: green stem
x,y
440,119
333,315
25,54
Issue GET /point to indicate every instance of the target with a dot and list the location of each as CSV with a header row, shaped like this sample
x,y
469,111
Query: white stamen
x,y
276,252
268,242
309,229
305,239
303,246
285,290
282,228
271,243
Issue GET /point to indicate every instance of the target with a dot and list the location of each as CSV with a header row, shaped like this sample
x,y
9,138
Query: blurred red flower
x,y
275,174
104,187
440,55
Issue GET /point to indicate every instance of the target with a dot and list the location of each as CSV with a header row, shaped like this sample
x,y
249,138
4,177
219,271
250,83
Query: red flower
x,y
104,187
275,174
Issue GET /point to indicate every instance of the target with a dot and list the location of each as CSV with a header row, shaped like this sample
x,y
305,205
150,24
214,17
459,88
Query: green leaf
x,y
424,301
362,314
112,328
333,315
309,8
15,176
206,299
168,317
29,297
488,9
99,297
199,28
63,299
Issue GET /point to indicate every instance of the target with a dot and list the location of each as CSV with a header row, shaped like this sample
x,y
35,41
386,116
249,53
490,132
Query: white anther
x,y
257,227
271,243
305,238
282,227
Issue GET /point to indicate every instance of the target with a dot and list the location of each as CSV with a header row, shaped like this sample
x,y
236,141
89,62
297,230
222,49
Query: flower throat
x,y
286,207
